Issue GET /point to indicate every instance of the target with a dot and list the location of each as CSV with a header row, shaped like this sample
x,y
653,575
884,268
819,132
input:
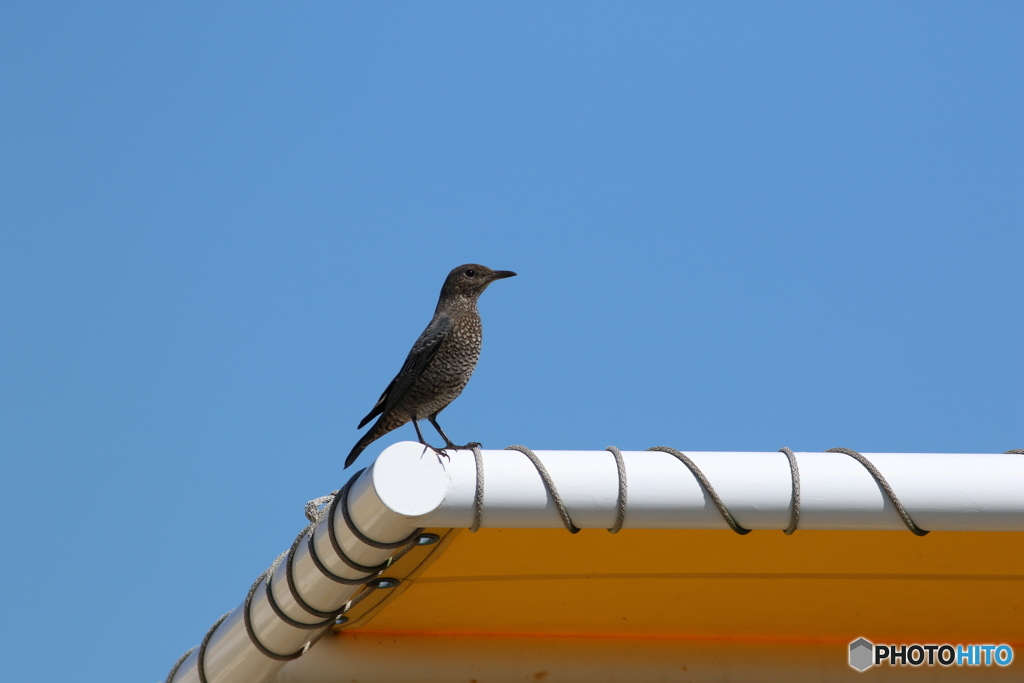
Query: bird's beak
x,y
501,274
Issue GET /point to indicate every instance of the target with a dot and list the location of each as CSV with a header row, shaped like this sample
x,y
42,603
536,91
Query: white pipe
x,y
409,487
941,492
385,508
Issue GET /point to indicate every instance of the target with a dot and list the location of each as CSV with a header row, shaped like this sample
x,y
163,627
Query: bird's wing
x,y
423,351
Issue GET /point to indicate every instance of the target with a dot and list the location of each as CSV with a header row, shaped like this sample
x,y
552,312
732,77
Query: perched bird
x,y
440,363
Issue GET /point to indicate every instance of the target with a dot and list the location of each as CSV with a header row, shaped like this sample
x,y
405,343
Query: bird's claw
x,y
439,452
443,452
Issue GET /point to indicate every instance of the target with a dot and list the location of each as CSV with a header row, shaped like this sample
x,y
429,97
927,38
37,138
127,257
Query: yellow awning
x,y
836,586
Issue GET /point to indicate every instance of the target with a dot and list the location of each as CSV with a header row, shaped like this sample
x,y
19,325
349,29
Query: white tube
x,y
381,512
941,492
409,487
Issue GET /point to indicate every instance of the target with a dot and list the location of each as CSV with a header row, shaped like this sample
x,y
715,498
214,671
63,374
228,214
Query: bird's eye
x,y
470,272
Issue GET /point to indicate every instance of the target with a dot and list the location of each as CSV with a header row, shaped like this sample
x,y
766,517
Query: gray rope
x,y
201,657
411,538
247,618
401,553
370,588
620,503
290,579
311,546
478,495
549,484
917,531
333,535
313,511
269,590
362,595
794,510
314,514
177,665
729,519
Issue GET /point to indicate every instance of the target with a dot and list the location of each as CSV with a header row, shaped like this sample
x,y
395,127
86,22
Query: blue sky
x,y
737,227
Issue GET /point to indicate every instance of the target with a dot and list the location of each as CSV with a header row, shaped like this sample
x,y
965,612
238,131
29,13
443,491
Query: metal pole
x,y
409,487
942,491
382,512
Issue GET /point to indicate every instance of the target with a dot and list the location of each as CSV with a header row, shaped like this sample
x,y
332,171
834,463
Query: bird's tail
x,y
376,431
357,449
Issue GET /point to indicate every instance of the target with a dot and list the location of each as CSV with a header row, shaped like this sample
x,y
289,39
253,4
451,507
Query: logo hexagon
x,y
860,654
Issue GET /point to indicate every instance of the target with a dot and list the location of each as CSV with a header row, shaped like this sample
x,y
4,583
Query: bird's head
x,y
469,280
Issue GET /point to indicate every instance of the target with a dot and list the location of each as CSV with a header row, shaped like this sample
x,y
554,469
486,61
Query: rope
x,y
917,531
401,553
311,546
794,510
201,658
247,618
550,485
411,538
314,514
707,487
268,586
177,665
620,503
794,470
362,595
313,511
333,535
478,495
290,579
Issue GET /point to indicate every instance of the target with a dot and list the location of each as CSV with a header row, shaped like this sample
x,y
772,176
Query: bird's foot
x,y
455,447
439,452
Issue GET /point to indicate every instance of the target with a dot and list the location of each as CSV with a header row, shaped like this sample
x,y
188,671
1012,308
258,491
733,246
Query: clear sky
x,y
738,226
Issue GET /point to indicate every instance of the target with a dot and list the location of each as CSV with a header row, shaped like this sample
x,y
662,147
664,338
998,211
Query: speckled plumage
x,y
440,363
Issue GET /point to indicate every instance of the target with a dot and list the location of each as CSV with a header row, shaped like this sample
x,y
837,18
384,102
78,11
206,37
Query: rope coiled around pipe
x,y
314,513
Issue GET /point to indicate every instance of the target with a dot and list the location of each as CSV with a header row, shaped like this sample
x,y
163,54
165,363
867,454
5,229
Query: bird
x,y
440,363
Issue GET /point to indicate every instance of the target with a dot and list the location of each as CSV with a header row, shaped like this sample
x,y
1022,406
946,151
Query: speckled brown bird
x,y
440,363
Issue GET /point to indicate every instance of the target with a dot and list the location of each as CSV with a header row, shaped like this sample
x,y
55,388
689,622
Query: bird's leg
x,y
448,442
438,451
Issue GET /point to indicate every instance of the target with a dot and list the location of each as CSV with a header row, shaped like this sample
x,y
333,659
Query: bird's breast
x,y
449,371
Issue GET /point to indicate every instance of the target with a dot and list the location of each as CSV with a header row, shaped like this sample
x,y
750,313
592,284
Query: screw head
x,y
427,539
